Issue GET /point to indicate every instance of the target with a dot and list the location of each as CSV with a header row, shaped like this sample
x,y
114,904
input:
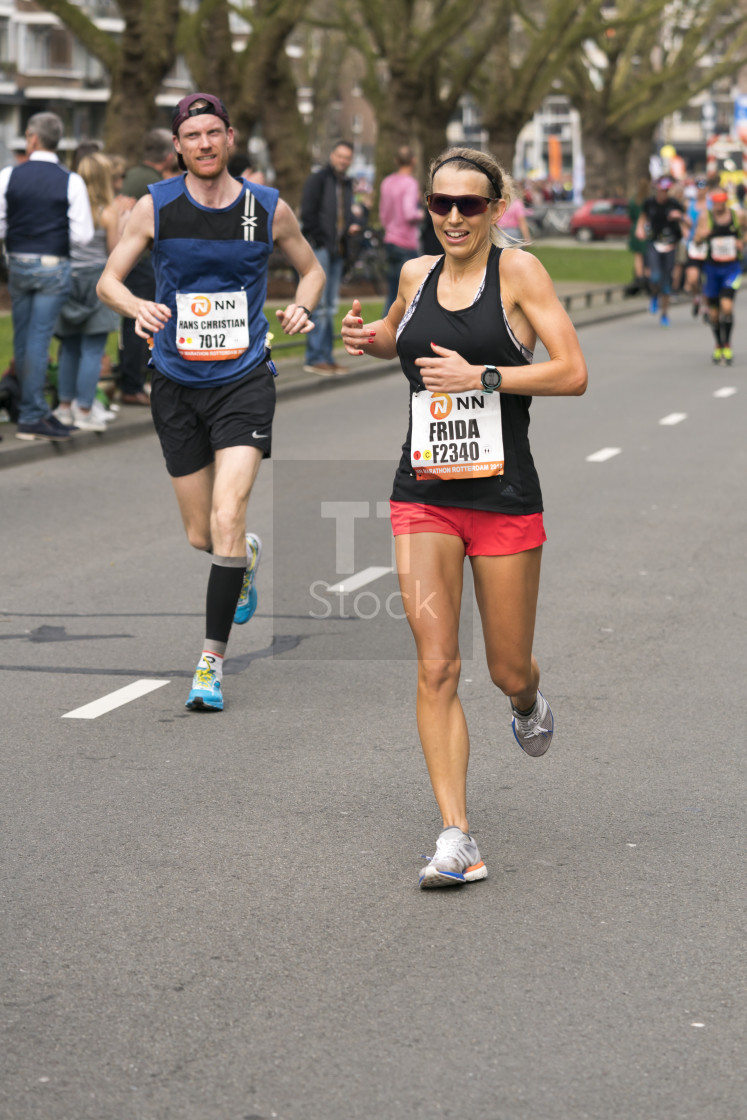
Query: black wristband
x,y
304,309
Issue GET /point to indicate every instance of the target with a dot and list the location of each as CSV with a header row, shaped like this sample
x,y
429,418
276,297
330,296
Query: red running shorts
x,y
484,533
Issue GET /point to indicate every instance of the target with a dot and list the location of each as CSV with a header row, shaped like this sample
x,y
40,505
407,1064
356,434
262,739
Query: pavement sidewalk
x,y
585,304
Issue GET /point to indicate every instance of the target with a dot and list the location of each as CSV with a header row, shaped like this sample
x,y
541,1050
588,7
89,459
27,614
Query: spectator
x,y
118,165
400,214
44,210
134,354
514,221
85,148
327,222
84,323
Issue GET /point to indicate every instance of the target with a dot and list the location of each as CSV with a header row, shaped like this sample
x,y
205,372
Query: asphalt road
x,y
217,917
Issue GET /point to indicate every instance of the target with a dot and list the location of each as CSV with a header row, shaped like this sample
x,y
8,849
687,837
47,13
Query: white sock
x,y
211,660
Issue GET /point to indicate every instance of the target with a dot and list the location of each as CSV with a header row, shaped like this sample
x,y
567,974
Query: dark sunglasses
x,y
469,205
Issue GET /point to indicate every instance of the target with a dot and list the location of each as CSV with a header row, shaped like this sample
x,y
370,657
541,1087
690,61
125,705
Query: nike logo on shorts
x,y
259,435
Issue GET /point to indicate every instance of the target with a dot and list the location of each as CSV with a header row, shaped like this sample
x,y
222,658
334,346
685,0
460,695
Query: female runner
x,y
464,326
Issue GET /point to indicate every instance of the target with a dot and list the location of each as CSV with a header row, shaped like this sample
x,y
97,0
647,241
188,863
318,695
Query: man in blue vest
x,y
43,209
213,389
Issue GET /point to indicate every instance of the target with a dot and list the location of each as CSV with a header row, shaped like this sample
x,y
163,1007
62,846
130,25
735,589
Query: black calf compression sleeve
x,y
223,590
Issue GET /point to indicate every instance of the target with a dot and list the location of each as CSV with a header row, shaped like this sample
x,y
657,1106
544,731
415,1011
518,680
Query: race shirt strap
x,y
456,435
211,325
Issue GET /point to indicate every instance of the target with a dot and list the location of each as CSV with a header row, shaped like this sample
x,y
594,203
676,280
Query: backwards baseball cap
x,y
193,105
664,183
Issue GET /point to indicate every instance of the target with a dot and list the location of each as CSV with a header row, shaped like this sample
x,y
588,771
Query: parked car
x,y
601,217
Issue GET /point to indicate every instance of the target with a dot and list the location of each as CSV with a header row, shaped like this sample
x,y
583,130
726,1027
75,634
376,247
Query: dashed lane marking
x,y
360,579
673,418
727,391
114,700
603,455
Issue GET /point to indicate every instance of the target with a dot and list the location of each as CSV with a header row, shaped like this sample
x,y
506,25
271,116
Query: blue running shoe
x,y
533,732
665,321
247,603
653,305
206,694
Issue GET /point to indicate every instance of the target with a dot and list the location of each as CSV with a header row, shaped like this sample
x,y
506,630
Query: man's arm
x,y
286,233
703,228
137,237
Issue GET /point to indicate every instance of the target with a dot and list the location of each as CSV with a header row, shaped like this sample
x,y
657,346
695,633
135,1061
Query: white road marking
x,y
727,391
603,455
114,700
360,579
673,418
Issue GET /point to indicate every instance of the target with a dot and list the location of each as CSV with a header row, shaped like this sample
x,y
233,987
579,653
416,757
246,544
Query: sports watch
x,y
491,379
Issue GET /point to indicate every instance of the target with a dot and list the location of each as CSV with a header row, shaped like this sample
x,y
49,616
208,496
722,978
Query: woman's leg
x,y
91,351
430,568
68,361
506,588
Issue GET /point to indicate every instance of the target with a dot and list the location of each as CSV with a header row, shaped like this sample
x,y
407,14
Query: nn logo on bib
x,y
440,406
201,305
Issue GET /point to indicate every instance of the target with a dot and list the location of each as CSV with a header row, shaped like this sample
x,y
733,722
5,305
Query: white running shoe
x,y
86,421
65,415
533,732
456,861
99,412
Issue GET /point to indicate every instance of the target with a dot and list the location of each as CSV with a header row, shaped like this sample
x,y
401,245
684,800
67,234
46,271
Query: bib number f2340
x,y
456,435
211,326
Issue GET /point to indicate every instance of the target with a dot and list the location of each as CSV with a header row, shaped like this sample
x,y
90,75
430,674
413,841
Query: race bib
x,y
211,326
724,248
697,252
456,435
663,246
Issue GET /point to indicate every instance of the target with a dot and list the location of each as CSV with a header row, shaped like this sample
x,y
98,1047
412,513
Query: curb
x,y
133,421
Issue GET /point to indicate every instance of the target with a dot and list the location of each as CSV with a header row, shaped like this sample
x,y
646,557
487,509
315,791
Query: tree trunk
x,y
285,131
502,143
605,158
639,154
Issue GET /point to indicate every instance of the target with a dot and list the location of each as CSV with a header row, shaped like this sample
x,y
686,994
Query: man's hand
x,y
151,318
295,319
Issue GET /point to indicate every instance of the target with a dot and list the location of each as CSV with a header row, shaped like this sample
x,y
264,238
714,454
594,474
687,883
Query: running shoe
x,y
247,603
533,732
717,355
206,694
664,320
456,861
653,304
727,355
65,415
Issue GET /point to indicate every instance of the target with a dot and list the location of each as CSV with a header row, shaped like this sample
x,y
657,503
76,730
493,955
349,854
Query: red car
x,y
601,217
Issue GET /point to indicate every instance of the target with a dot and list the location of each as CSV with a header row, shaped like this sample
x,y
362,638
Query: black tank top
x,y
729,228
481,334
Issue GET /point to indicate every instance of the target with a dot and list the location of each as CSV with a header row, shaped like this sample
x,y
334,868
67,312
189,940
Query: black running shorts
x,y
192,424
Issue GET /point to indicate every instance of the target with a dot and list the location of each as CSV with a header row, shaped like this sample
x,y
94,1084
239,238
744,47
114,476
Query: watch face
x,y
491,377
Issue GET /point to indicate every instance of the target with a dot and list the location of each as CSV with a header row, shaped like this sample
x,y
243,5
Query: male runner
x,y
213,393
721,229
661,223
